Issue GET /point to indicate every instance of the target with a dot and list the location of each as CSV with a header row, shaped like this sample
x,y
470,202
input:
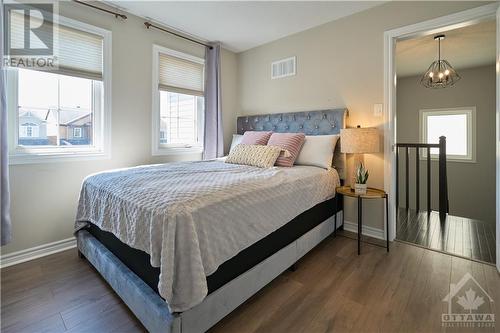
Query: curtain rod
x,y
116,14
150,25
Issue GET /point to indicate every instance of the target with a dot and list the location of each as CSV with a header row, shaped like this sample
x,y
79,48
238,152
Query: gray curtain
x,y
4,153
213,143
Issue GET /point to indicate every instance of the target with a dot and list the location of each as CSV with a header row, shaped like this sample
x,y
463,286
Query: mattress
x,y
139,261
192,217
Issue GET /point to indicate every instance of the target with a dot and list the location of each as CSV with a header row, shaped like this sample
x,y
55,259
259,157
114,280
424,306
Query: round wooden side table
x,y
371,193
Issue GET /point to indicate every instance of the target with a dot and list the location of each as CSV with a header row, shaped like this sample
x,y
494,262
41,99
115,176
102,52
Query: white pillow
x,y
318,151
236,141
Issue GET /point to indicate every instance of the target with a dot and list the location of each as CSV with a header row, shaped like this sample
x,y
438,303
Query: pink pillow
x,y
292,142
255,138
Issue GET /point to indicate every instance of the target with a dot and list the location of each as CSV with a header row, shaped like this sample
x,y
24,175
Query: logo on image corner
x,y
469,305
29,32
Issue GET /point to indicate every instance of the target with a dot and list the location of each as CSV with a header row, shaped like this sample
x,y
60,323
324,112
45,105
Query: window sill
x,y
164,151
54,157
450,159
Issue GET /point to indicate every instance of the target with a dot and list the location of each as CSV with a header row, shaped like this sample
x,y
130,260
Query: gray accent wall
x,y
471,185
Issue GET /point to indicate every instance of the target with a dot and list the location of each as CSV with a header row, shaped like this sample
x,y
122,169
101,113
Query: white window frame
x,y
101,145
33,127
470,113
80,132
166,149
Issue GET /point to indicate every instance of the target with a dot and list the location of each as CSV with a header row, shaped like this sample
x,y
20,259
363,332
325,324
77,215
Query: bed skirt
x,y
145,303
153,311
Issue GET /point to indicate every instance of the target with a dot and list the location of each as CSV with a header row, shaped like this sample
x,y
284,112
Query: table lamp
x,y
359,141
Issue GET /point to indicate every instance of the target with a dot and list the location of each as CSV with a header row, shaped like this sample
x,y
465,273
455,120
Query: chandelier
x,y
440,74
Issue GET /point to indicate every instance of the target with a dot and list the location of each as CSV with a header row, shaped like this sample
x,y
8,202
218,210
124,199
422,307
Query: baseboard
x,y
65,244
36,252
367,230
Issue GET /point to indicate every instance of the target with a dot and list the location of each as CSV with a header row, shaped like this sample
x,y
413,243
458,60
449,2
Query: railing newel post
x,y
443,182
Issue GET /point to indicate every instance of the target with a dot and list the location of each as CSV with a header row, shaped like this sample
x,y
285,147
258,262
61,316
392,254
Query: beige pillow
x,y
254,155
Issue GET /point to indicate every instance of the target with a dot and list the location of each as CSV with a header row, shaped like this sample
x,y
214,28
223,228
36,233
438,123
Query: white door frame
x,y
444,23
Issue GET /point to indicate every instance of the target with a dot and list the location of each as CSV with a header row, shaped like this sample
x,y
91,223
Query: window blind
x,y
180,75
78,53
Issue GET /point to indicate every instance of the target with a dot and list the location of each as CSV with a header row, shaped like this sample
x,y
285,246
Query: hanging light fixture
x,y
440,74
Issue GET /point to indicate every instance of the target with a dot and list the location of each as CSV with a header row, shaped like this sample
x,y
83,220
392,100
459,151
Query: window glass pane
x,y
75,92
179,118
54,105
37,127
453,127
37,89
69,120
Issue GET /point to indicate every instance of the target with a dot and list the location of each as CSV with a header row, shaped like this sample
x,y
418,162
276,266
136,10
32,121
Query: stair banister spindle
x,y
444,205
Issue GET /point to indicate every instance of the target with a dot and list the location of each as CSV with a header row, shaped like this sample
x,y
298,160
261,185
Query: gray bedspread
x,y
191,217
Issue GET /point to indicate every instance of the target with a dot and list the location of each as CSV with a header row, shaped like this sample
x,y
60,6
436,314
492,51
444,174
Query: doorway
x,y
464,112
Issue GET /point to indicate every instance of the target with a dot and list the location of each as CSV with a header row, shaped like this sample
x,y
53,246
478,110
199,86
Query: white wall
x,y
339,64
44,196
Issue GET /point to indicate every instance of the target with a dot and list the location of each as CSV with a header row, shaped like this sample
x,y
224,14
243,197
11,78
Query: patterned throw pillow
x,y
255,138
292,142
254,155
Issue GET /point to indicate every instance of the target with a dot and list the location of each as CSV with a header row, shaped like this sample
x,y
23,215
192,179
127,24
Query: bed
x,y
161,237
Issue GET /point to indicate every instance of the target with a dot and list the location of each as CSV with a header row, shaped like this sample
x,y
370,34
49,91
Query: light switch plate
x,y
378,110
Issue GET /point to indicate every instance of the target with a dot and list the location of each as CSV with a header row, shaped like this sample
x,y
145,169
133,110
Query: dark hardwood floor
x,y
333,290
456,235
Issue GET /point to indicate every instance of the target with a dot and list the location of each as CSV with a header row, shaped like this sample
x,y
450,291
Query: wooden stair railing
x,y
443,179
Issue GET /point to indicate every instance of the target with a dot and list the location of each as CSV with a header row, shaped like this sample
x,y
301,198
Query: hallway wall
x,y
471,186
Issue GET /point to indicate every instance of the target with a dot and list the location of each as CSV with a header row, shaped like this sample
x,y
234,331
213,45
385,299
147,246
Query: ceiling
x,y
466,47
242,25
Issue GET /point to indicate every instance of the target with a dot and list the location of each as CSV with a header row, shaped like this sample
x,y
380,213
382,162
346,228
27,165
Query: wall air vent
x,y
283,68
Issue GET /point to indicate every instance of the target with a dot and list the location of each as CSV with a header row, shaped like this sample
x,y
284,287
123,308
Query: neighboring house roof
x,y
41,116
66,117
79,121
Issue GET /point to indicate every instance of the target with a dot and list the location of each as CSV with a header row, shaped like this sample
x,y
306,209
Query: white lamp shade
x,y
359,140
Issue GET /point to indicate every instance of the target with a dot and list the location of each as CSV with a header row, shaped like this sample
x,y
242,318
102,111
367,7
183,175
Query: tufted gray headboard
x,y
321,122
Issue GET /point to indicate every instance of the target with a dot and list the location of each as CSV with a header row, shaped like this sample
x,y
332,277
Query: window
x,y
56,102
63,113
178,102
179,114
28,130
77,132
457,125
